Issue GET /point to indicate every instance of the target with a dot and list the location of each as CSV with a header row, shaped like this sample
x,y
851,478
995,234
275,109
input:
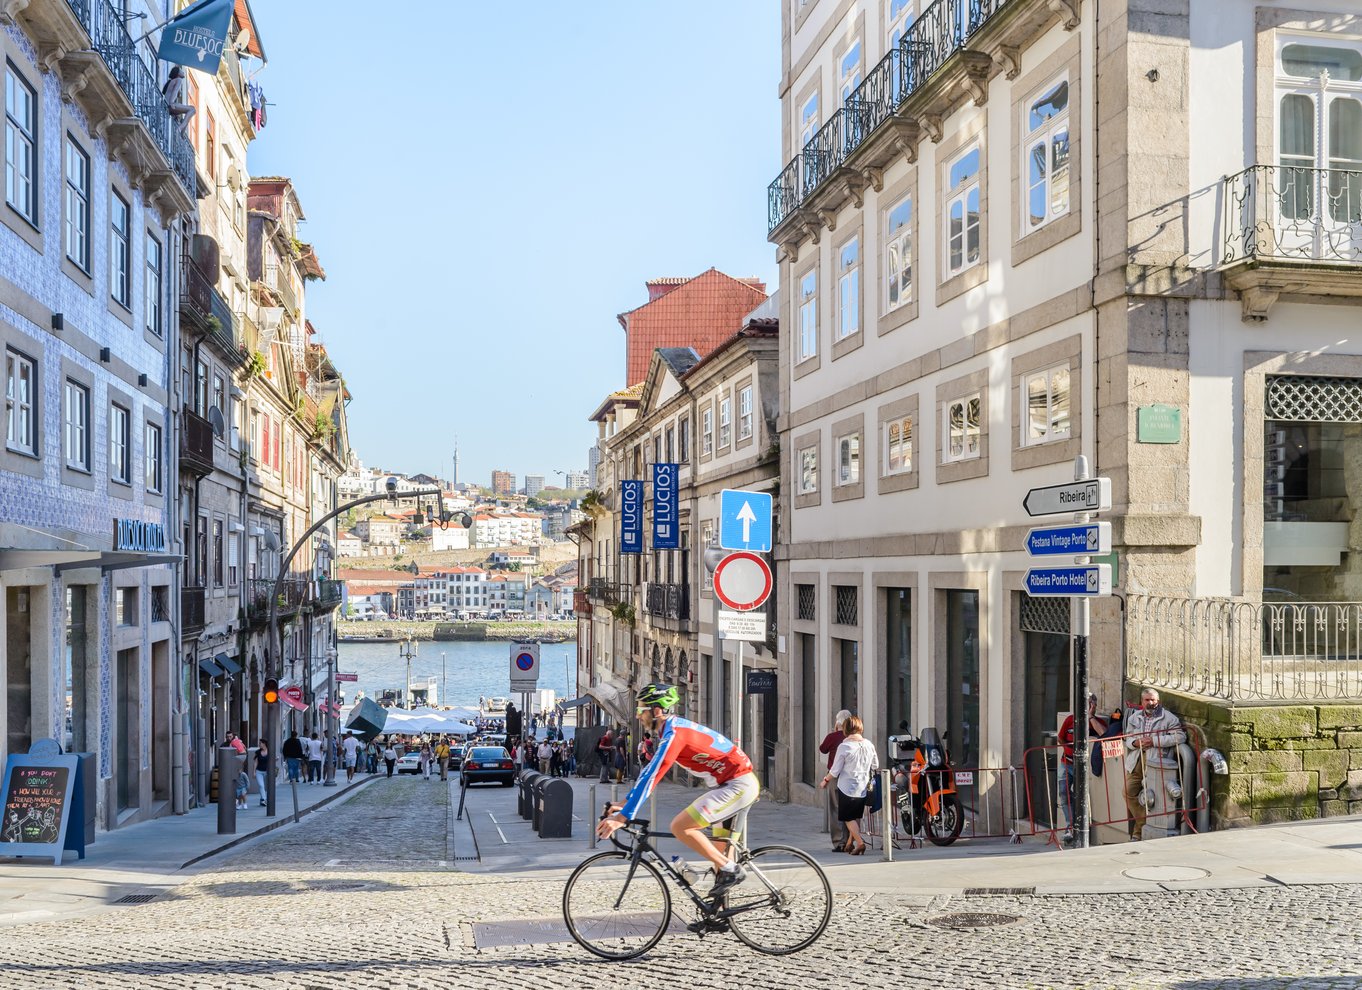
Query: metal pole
x,y
1082,769
444,681
226,791
591,803
737,696
332,727
887,814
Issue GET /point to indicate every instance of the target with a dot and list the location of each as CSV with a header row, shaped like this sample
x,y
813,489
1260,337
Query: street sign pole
x,y
1082,763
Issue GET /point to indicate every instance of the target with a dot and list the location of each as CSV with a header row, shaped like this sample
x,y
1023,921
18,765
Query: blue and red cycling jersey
x,y
713,758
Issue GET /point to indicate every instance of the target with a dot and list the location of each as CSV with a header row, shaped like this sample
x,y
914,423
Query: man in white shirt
x,y
351,749
314,760
545,754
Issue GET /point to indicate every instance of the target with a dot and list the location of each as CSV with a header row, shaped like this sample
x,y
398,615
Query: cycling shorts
x,y
726,800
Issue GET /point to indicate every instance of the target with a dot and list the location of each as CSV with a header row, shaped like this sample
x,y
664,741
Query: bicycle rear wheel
x,y
795,899
613,914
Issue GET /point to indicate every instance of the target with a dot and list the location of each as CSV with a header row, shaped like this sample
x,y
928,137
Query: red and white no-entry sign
x,y
742,581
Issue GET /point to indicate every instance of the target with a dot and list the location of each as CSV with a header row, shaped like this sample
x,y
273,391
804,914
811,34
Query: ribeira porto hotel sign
x,y
138,536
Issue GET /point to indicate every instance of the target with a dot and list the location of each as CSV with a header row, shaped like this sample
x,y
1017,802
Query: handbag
x,y
874,800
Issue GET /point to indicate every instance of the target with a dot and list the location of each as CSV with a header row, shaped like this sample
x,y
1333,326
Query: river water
x,y
464,671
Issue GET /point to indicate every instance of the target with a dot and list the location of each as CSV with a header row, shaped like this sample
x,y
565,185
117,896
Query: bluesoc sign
x,y
631,517
666,531
196,36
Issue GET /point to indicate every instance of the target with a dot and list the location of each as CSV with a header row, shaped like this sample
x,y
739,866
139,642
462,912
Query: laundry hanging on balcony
x,y
195,37
256,96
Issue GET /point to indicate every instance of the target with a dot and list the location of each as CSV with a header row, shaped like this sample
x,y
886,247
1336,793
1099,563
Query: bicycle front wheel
x,y
613,914
785,902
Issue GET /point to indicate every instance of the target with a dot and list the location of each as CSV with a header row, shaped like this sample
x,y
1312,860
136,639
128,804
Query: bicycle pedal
x,y
706,925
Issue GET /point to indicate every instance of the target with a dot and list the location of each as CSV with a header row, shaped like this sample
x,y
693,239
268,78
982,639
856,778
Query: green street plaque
x,y
1114,561
1158,424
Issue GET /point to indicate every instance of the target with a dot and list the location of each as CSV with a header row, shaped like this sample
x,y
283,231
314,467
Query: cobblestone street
x,y
366,896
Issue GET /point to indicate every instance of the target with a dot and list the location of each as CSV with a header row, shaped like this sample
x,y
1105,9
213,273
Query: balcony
x,y
293,593
277,280
603,591
947,56
191,609
210,313
196,443
1292,232
328,595
668,601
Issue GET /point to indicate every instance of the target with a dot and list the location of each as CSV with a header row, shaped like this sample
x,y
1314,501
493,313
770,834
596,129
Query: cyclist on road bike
x,y
706,754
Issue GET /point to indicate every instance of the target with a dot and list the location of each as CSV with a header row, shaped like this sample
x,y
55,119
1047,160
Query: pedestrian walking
x,y
425,757
314,759
235,743
293,757
605,752
829,748
645,750
545,756
390,758
350,748
621,756
442,757
262,766
556,760
243,784
852,767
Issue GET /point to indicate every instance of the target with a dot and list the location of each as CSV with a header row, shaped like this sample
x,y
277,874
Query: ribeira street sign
x,y
1092,495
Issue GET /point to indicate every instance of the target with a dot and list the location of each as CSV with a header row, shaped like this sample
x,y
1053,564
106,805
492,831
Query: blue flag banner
x,y
631,517
666,531
195,37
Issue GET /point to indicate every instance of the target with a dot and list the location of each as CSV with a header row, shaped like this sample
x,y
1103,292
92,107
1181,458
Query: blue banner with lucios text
x,y
195,37
631,517
666,531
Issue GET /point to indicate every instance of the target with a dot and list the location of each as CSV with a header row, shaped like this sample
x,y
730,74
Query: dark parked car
x,y
488,763
456,751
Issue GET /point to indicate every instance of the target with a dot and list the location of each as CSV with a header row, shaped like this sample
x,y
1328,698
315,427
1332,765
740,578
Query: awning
x,y
210,668
65,560
575,702
300,706
230,666
613,697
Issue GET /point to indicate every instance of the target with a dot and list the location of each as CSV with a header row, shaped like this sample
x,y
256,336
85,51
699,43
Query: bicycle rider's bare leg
x,y
691,834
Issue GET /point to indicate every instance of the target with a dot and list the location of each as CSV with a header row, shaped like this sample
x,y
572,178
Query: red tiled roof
x,y
701,312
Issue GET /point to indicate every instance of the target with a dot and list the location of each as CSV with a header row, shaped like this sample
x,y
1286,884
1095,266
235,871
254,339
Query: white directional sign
x,y
747,626
1089,580
1056,541
1093,495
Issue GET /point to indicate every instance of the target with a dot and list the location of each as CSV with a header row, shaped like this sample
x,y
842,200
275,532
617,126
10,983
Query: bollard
x,y
614,793
227,771
591,803
293,786
887,814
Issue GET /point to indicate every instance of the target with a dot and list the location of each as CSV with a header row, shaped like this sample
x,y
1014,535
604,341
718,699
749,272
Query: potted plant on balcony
x,y
624,612
255,366
593,505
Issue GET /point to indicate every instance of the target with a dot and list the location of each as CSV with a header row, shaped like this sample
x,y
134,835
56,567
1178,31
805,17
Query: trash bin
x,y
554,819
525,802
537,798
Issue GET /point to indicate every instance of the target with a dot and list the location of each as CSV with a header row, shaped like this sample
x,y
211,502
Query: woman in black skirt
x,y
855,761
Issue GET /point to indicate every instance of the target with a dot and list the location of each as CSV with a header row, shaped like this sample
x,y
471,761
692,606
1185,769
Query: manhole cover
x,y
974,919
1163,874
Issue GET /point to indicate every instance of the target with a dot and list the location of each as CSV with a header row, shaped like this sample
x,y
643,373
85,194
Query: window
x,y
669,445
898,446
21,145
683,449
1045,157
707,432
808,470
745,412
962,212
120,251
849,288
808,119
851,71
725,421
210,148
900,19
898,232
849,459
1319,128
808,315
77,205
77,439
120,444
151,285
125,606
201,388
219,561
1046,413
219,393
153,458
20,396
192,121
960,421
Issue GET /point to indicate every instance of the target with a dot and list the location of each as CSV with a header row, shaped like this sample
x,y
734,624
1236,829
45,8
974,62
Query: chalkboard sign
x,y
41,795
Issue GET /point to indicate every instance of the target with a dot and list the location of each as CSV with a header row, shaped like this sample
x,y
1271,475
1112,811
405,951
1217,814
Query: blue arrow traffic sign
x,y
744,520
1058,541
1091,580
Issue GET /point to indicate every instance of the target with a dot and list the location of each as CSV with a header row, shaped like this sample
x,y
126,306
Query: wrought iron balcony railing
x,y
210,312
293,593
196,442
939,32
329,594
668,601
191,608
110,38
1294,214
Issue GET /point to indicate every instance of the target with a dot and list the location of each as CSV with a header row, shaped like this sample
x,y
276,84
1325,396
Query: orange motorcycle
x,y
924,786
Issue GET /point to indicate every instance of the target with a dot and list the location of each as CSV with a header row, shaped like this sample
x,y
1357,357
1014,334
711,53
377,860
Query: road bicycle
x,y
617,904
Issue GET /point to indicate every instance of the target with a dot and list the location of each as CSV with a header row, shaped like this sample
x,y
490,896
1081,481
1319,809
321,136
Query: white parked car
x,y
409,762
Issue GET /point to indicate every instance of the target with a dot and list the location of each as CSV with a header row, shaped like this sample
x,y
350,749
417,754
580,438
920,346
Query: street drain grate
x,y
136,898
973,919
992,891
335,886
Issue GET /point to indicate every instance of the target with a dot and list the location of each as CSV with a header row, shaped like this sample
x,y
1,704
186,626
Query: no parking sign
x,y
524,667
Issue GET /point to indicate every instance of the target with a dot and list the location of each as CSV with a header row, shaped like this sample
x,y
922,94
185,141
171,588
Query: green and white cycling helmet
x,y
664,696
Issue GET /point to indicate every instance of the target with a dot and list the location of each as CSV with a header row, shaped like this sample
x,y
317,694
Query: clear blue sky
x,y
489,184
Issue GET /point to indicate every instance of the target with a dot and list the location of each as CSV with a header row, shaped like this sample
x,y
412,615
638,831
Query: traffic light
x,y
271,691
